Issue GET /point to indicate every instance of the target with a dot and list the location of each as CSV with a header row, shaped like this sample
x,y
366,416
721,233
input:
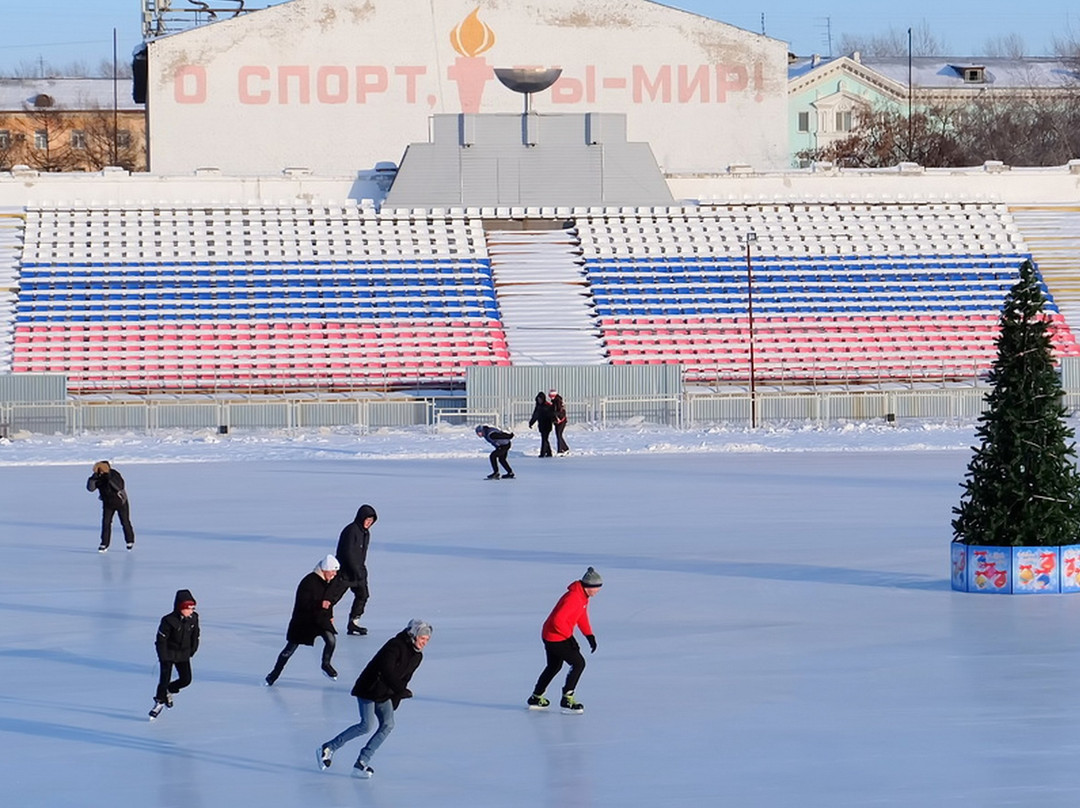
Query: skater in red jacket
x,y
571,611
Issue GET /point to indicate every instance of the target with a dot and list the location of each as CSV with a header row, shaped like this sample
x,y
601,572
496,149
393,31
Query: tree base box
x,y
1015,570
959,566
1036,570
1070,568
988,569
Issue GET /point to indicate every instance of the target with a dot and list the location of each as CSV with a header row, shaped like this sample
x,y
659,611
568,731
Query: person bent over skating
x,y
176,642
501,441
109,484
313,616
379,690
559,643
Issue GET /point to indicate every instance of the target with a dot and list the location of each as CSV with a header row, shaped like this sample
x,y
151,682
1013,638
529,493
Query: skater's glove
x,y
592,642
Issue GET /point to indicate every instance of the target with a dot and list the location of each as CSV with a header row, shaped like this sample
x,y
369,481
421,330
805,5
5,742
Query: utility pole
x,y
910,136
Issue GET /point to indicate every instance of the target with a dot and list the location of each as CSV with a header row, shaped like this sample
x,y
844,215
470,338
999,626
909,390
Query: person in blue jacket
x,y
501,441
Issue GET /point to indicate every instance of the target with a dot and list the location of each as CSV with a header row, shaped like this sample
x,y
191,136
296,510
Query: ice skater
x,y
176,642
543,416
352,550
379,690
109,484
559,643
501,441
559,407
313,616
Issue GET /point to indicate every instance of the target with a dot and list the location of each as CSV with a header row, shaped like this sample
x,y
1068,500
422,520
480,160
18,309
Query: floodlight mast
x,y
160,17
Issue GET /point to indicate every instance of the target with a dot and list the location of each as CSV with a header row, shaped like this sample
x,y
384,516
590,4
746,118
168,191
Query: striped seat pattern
x,y
332,299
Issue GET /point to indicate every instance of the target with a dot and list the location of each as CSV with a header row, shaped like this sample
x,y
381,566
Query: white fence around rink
x,y
693,409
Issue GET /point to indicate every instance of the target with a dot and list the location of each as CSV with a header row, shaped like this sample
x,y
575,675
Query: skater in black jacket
x,y
543,416
351,552
379,689
176,642
501,441
114,500
313,616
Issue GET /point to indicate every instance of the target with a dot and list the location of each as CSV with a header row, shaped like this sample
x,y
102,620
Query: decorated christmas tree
x,y
1022,486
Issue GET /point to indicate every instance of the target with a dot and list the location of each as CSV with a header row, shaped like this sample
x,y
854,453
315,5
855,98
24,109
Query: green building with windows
x,y
826,96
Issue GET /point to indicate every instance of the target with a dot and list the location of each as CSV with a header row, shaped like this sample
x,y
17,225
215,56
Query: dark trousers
x,y
329,642
499,455
183,678
545,443
360,599
559,440
566,651
123,511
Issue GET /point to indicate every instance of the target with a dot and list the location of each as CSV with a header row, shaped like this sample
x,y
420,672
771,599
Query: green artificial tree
x,y
1022,486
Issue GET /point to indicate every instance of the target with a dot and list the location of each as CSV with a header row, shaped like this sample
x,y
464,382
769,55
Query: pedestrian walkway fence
x,y
689,410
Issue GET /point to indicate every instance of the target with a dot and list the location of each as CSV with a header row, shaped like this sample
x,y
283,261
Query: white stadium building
x,y
343,197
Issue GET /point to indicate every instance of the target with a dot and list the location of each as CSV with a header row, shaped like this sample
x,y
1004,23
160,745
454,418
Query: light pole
x,y
750,237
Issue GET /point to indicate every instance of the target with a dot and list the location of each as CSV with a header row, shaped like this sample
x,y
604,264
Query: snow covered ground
x,y
775,629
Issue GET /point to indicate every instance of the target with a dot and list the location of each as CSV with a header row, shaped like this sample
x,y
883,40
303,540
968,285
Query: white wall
x,y
337,85
1057,185
1053,185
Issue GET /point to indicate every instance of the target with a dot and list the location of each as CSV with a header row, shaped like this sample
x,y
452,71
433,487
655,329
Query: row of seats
x,y
216,354
239,291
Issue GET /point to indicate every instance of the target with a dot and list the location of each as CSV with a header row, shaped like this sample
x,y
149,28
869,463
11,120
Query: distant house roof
x,y
69,94
950,72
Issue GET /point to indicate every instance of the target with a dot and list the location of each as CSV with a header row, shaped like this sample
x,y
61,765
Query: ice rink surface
x,y
775,628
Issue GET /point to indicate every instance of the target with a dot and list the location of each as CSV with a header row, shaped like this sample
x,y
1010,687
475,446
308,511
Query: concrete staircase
x,y
12,226
544,298
1052,235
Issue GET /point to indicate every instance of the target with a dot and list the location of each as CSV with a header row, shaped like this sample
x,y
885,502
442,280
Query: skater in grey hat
x,y
379,689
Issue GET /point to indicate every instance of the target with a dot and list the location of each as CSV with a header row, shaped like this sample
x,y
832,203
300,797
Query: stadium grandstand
x,y
510,239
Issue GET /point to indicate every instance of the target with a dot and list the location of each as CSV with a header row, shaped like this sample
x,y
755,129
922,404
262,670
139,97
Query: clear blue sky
x,y
61,32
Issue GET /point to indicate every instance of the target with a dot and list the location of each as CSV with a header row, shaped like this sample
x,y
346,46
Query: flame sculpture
x,y
470,70
472,37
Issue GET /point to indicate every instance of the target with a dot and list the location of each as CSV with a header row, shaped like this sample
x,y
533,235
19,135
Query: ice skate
x,y
271,678
362,770
155,711
168,700
328,669
131,545
508,476
536,702
326,756
569,705
355,629
103,548
493,476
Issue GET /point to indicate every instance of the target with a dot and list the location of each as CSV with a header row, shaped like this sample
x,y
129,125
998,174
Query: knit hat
x,y
552,393
101,467
480,430
328,564
183,599
418,628
592,579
